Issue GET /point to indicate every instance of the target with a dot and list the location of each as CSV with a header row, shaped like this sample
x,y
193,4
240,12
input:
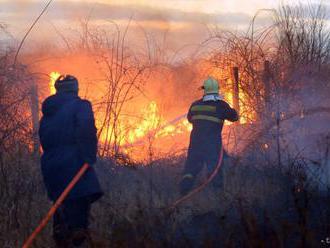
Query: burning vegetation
x,y
276,164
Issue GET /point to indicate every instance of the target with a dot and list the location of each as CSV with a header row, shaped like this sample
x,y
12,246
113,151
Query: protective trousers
x,y
195,162
70,226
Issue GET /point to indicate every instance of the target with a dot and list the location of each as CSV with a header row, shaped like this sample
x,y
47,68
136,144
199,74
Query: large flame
x,y
154,124
150,121
149,125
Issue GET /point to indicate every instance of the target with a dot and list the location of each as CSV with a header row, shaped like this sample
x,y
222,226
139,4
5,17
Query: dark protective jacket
x,y
68,138
207,118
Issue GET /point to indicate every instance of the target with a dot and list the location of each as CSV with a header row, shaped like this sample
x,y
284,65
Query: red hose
x,y
202,186
56,205
80,173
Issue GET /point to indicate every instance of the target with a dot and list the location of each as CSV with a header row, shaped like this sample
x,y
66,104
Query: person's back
x,y
207,116
68,138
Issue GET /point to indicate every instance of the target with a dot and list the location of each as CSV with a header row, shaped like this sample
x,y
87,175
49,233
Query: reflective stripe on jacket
x,y
207,118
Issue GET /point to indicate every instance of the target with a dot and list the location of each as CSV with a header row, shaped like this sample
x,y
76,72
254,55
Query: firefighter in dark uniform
x,y
207,116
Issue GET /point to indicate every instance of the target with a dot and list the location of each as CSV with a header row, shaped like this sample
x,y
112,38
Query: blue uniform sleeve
x,y
229,113
85,132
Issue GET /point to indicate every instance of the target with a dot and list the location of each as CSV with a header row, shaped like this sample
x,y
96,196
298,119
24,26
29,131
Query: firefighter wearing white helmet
x,y
207,116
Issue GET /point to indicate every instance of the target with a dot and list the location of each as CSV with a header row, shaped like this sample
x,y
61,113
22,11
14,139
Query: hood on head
x,y
67,83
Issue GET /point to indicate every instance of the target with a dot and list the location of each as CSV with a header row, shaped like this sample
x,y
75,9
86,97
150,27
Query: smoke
x,y
154,36
183,26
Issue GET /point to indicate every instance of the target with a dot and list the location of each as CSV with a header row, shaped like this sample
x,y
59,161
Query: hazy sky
x,y
184,19
177,10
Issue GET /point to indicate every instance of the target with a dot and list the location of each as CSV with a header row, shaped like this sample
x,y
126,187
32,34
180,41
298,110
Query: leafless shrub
x,y
124,73
264,197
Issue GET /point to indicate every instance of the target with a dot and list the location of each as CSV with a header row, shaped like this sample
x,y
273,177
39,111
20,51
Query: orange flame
x,y
53,76
134,134
151,124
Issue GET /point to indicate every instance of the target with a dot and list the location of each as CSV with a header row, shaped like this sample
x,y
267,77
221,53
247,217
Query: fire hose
x,y
202,185
56,205
81,172
83,169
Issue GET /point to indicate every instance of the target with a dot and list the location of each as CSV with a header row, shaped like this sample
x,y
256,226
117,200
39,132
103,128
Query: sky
x,y
185,20
234,11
